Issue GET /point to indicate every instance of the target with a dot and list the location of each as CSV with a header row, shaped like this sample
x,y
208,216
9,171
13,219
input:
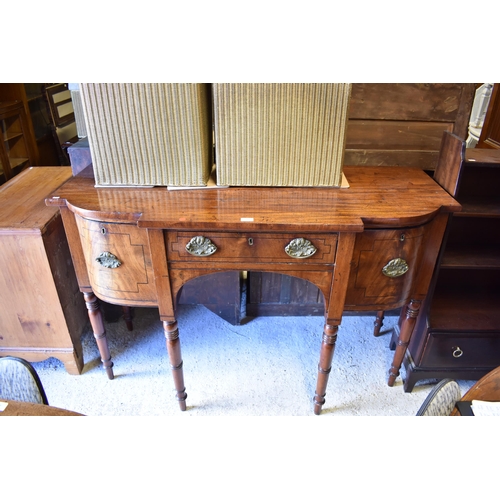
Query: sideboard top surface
x,y
377,196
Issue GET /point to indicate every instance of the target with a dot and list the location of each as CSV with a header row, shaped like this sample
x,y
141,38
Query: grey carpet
x,y
265,367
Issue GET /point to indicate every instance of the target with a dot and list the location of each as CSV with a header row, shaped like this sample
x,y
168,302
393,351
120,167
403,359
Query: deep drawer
x,y
131,280
468,350
251,247
384,265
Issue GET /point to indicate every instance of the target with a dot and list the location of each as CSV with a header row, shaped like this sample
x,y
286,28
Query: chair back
x,y
20,382
441,400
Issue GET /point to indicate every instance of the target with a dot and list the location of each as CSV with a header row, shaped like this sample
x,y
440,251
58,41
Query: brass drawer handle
x,y
107,259
395,267
300,248
199,246
457,352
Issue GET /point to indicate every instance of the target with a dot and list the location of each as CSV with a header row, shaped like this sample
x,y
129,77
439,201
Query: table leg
x,y
174,354
127,316
407,325
378,323
97,324
325,365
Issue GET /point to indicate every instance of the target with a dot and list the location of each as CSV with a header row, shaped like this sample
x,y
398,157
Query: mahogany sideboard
x,y
139,246
42,312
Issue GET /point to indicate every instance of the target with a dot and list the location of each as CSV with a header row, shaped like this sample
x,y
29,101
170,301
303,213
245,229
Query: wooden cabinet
x,y
459,334
15,151
42,312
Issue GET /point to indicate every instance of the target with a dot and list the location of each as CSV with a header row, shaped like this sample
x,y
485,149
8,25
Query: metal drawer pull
x,y
395,267
199,246
300,248
457,352
107,259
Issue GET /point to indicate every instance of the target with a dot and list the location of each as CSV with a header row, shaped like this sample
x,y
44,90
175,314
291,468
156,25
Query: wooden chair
x,y
63,119
441,400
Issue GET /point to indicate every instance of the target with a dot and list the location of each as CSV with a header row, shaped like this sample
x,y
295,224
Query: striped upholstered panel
x,y
149,133
280,134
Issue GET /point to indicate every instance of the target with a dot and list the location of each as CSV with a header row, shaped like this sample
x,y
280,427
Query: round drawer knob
x,y
300,248
395,267
199,246
457,352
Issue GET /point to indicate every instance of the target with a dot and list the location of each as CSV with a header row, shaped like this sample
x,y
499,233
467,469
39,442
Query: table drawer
x,y
118,262
467,350
383,269
251,247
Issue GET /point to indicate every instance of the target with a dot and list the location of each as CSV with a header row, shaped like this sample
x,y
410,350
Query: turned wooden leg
x,y
174,354
325,365
379,321
99,331
407,325
127,316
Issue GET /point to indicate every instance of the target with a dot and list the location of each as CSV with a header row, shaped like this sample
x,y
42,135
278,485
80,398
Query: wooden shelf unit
x,y
15,153
459,333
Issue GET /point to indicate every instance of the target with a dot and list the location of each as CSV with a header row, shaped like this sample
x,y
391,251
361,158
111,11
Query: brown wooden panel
x,y
399,135
405,101
426,160
272,294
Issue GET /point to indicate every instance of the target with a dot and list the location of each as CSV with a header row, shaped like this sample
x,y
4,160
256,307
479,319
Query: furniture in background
x,y
458,332
441,400
19,381
42,311
22,409
15,148
63,124
487,388
139,247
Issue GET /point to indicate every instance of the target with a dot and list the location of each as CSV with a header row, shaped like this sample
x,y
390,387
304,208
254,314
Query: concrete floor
x,y
266,367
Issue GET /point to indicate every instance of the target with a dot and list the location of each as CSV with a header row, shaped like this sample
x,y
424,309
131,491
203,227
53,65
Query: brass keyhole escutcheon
x,y
250,241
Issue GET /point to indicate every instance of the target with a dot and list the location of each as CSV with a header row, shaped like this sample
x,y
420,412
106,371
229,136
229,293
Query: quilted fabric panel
x,y
19,382
441,400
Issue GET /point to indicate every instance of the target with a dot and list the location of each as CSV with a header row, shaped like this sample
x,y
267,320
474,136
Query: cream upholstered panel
x,y
149,133
287,134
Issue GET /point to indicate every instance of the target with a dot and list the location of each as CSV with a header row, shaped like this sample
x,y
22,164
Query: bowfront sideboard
x,y
372,246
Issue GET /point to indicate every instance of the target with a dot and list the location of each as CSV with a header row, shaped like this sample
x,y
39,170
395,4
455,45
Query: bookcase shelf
x,y
15,154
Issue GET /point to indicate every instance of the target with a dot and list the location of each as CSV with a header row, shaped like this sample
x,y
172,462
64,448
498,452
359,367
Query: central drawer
x,y
251,247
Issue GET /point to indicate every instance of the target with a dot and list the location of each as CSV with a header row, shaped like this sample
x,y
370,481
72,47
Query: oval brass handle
x,y
199,246
300,248
457,352
395,267
107,259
